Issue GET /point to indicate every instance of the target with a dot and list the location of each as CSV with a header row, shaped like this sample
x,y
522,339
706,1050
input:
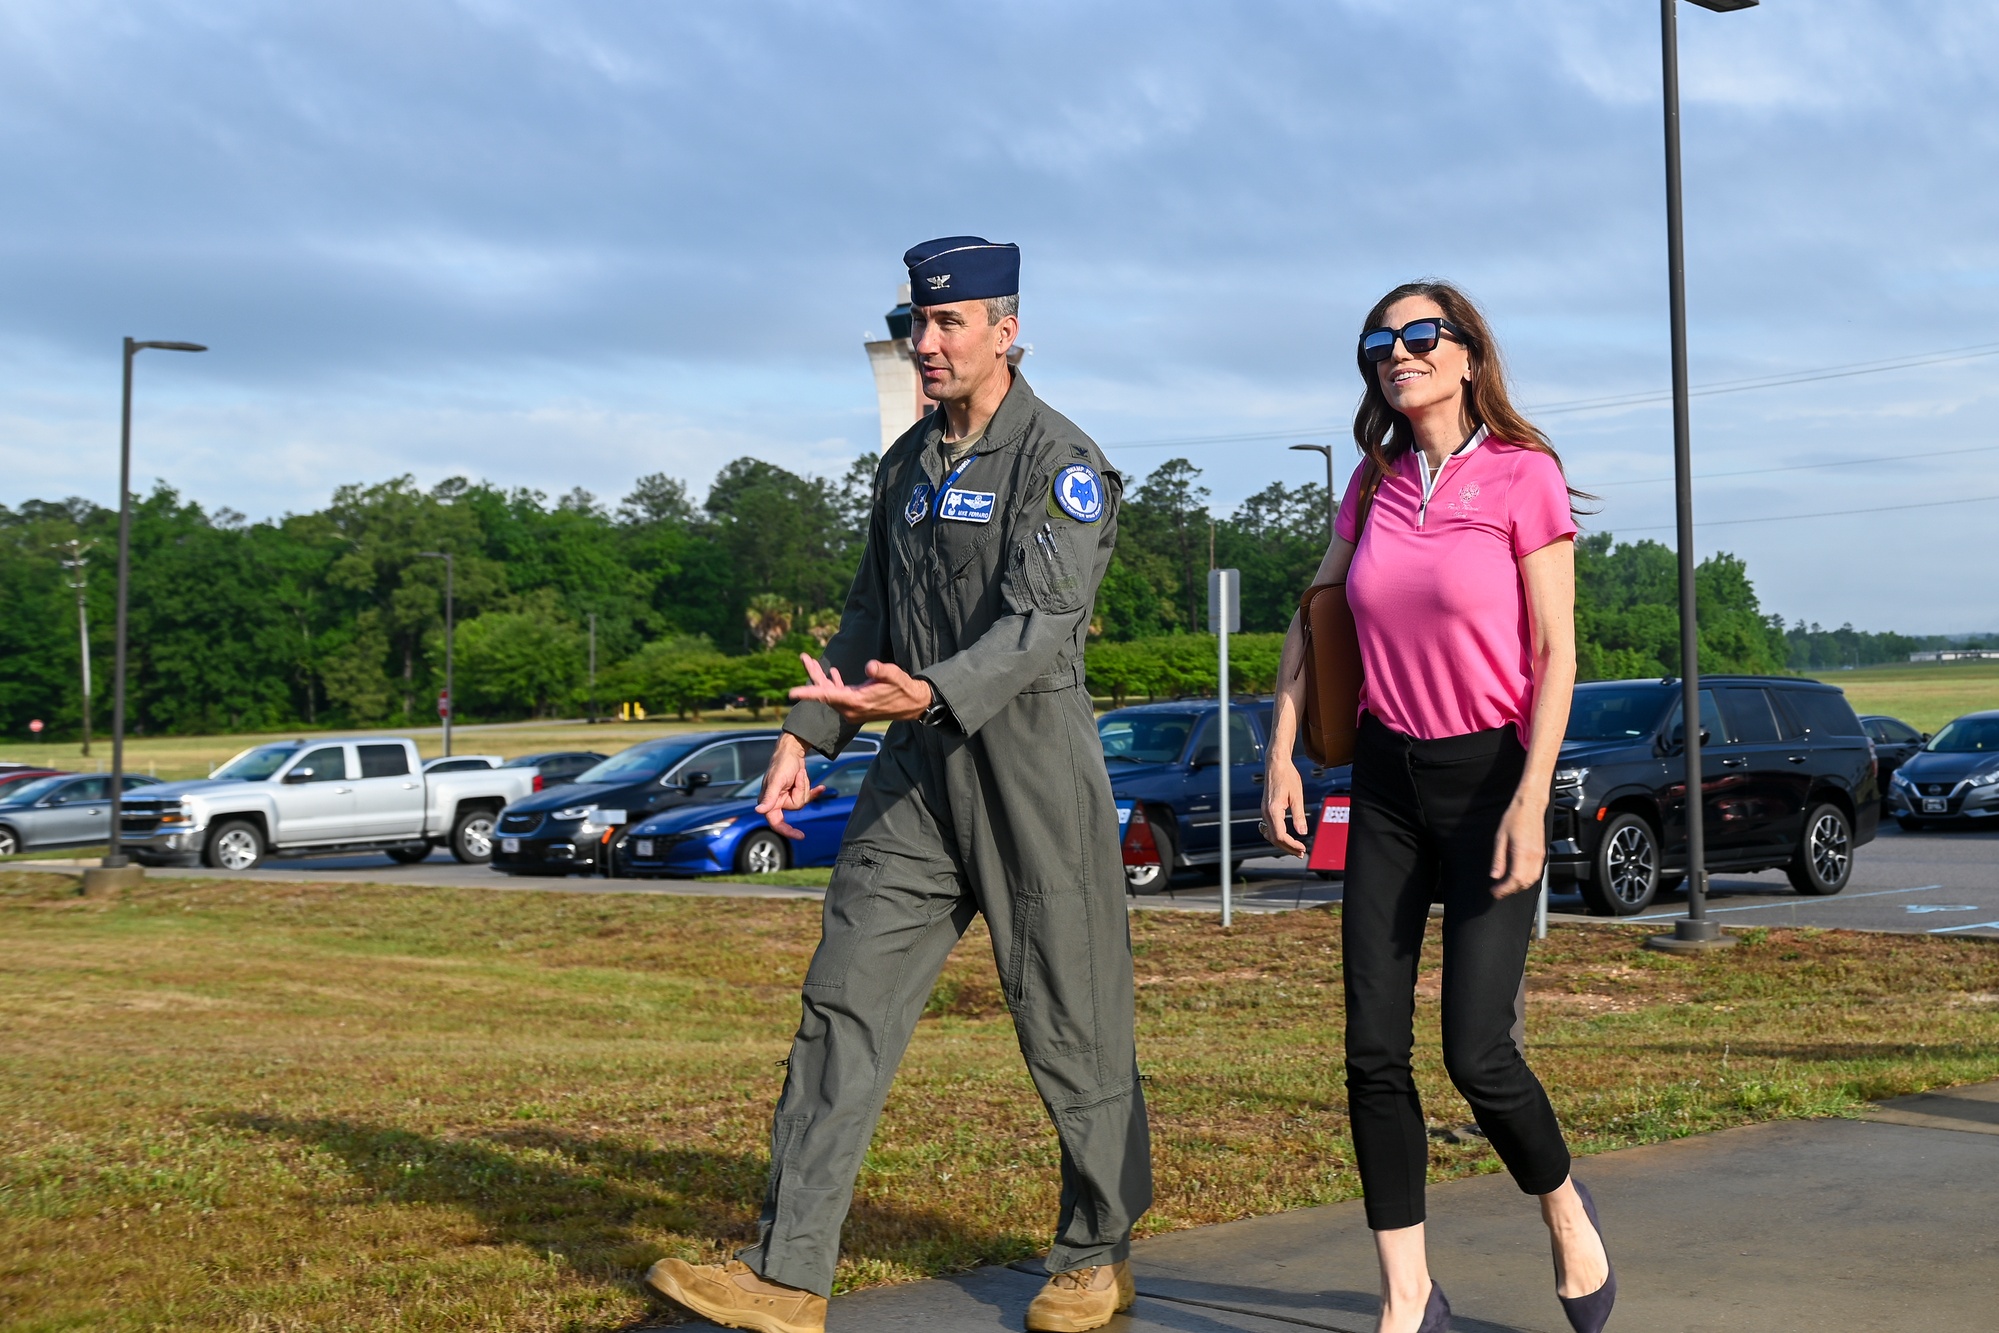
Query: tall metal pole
x,y
593,666
78,559
450,644
115,851
1696,926
1332,496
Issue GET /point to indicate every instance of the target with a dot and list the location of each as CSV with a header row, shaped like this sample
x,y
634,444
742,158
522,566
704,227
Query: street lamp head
x,y
1325,449
1726,6
170,346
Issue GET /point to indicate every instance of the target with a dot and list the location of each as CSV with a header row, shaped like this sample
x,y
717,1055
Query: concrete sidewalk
x,y
1888,1223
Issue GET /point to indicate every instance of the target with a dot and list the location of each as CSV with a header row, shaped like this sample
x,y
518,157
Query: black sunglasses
x,y
1418,335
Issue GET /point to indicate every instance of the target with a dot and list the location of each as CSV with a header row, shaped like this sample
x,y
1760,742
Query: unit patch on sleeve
x,y
1079,493
967,506
919,504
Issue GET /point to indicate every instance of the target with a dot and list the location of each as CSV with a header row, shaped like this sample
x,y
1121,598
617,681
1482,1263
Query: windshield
x,y
1617,712
1145,738
814,769
1968,735
641,763
27,793
255,765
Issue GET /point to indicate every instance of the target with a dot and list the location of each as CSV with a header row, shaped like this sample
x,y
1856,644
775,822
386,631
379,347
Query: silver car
x,y
70,810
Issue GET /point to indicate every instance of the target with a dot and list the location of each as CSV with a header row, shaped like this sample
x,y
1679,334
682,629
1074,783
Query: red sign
x,y
35,726
1329,844
444,703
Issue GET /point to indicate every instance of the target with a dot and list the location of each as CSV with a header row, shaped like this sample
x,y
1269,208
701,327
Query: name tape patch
x,y
1079,492
967,506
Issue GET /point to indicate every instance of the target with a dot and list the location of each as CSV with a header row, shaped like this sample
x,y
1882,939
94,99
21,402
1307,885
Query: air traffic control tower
x,y
898,388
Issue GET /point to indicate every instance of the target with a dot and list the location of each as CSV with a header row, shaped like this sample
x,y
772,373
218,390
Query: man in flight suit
x,y
992,526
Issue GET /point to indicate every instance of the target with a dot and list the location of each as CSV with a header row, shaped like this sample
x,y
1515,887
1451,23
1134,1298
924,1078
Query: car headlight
x,y
709,830
1901,779
1571,779
174,814
1985,779
574,812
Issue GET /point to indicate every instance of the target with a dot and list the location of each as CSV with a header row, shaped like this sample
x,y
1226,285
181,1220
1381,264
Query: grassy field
x,y
1923,694
273,1107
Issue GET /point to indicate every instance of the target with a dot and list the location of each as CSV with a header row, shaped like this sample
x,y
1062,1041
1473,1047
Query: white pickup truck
x,y
309,797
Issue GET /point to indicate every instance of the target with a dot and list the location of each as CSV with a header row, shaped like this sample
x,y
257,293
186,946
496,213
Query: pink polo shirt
x,y
1436,591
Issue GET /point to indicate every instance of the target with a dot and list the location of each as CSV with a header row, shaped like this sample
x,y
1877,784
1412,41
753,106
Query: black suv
x,y
1787,778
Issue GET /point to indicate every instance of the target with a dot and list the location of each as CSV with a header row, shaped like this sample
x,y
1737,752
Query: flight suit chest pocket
x,y
1050,567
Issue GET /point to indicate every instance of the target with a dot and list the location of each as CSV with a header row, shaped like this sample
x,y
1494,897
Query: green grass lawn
x,y
230,1105
1923,694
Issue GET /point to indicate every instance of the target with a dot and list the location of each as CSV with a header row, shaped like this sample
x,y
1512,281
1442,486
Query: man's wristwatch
x,y
938,714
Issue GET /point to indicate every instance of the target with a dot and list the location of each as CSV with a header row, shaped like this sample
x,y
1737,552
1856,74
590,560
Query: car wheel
x,y
10,844
472,838
761,853
1913,826
411,854
237,845
1153,879
1824,861
1625,876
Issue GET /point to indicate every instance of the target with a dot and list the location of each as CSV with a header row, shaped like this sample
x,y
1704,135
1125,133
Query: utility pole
x,y
593,666
447,703
79,556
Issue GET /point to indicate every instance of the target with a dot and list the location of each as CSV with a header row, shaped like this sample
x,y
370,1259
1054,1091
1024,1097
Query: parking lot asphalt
x,y
1938,883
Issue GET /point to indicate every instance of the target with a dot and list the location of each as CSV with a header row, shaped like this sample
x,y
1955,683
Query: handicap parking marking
x,y
1937,907
1797,902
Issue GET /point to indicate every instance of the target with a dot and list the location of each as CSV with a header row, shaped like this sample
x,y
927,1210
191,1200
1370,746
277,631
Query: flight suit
x,y
1005,810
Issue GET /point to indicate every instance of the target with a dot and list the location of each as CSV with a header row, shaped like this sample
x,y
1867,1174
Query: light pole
x,y
115,851
79,556
1332,496
450,704
593,666
1694,932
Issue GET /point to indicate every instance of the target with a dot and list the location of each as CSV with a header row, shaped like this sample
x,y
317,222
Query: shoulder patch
x,y
1079,492
919,504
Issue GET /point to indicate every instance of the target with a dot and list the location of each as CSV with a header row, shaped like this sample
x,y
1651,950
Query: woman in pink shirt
x,y
1462,583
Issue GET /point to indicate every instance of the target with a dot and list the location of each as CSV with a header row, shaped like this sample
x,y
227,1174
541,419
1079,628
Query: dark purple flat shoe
x,y
1588,1314
1436,1313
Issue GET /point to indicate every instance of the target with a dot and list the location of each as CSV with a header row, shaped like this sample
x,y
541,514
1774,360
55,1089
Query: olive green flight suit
x,y
1005,810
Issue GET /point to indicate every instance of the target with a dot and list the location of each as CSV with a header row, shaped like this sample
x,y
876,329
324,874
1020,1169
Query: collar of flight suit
x,y
1008,426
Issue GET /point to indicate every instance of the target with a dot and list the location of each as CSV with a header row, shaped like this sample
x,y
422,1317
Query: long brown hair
x,y
1384,434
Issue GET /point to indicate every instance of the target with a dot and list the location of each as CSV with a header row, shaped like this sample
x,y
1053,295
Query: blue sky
x,y
566,245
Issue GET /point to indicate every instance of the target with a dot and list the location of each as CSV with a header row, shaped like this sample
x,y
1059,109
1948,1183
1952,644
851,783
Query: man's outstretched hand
x,y
889,694
786,786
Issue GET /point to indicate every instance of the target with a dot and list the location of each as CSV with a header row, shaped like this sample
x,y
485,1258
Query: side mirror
x,y
1678,740
697,780
1926,738
298,775
1207,755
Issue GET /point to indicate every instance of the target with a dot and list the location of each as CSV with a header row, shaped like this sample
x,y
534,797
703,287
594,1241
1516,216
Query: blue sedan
x,y
730,837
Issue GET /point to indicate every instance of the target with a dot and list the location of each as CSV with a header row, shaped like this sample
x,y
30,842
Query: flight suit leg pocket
x,y
852,896
1055,997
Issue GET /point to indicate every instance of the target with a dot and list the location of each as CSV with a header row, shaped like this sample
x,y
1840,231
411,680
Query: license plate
x,y
645,846
510,844
1935,805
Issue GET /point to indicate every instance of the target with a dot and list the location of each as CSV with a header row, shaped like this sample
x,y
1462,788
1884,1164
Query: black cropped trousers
x,y
1425,813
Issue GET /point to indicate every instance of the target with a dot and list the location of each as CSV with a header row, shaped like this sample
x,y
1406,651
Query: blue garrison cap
x,y
961,268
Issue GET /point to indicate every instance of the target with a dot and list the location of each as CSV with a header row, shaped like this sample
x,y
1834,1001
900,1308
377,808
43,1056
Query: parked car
x,y
1787,779
1954,779
462,763
13,775
1895,744
64,810
557,766
298,798
1164,758
731,837
564,830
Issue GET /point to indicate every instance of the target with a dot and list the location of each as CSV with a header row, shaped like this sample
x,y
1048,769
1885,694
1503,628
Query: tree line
x,y
336,617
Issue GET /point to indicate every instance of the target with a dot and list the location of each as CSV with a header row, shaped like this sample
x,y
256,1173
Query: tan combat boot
x,y
735,1297
1084,1298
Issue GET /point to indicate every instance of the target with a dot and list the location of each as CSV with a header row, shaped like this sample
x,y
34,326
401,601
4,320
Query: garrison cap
x,y
961,268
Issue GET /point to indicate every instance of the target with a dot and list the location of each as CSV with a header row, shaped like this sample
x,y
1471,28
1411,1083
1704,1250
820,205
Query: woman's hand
x,y
1283,794
1521,848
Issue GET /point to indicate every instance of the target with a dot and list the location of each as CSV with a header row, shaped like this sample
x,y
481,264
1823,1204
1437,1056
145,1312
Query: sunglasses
x,y
1418,335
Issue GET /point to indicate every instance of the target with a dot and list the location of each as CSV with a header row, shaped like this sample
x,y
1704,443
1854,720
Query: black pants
x,y
1424,817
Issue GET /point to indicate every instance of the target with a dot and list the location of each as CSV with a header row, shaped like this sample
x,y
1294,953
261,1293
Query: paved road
x,y
1881,1224
1937,883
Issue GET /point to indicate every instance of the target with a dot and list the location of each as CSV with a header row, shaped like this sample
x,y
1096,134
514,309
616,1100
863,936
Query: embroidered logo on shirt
x,y
967,506
919,504
1463,504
